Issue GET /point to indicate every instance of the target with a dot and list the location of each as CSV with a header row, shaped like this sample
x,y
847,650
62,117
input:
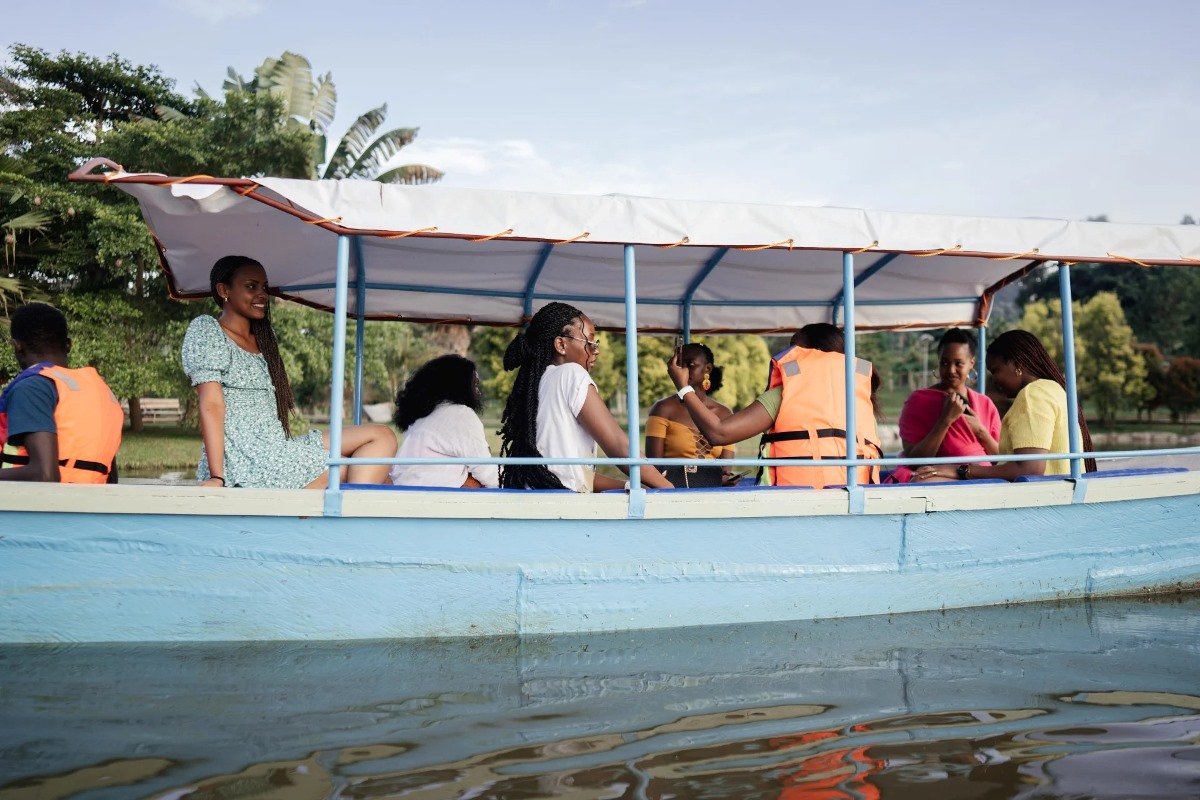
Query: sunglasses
x,y
592,347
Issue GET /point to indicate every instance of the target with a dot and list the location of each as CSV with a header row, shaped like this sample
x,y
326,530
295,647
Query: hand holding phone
x,y
679,350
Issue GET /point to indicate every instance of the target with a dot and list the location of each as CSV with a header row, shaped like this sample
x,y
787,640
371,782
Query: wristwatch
x,y
964,471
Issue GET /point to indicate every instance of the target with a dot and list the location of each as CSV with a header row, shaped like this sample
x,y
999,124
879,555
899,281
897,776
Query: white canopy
x,y
442,254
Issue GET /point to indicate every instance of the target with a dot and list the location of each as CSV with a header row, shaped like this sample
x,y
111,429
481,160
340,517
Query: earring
x,y
973,377
1019,371
707,383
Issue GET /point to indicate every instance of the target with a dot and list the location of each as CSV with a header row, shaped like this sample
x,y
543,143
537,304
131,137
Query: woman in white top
x,y
438,409
554,410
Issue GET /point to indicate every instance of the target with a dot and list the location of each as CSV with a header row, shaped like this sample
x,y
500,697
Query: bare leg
x,y
362,441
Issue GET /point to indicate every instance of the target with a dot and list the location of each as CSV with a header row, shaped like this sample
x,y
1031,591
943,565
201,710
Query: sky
x,y
1018,108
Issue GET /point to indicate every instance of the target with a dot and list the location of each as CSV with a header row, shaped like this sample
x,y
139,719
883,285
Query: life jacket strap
x,y
90,466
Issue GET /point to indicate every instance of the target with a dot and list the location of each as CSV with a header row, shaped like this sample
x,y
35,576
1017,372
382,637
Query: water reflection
x,y
1033,702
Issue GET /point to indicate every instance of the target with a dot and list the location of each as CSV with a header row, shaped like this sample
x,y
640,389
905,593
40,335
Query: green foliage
x,y
1182,394
391,350
1111,372
1156,377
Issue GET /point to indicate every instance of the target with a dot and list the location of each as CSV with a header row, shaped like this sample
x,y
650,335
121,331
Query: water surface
x,y
1077,700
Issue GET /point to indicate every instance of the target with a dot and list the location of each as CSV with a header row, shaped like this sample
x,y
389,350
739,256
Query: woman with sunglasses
x,y
555,411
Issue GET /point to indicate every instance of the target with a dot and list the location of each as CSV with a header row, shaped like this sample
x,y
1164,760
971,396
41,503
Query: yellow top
x,y
1038,418
682,441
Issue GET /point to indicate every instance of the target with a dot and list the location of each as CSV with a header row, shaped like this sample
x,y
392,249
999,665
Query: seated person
x,y
803,412
949,418
438,410
670,432
554,410
57,425
1035,423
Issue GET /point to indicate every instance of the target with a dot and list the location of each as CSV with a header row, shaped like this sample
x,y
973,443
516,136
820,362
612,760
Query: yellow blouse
x,y
1038,418
682,441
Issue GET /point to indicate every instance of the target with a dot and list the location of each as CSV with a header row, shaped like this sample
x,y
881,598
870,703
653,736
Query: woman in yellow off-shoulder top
x,y
671,433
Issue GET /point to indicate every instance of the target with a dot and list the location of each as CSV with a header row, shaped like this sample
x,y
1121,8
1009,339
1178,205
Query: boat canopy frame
x,y
739,274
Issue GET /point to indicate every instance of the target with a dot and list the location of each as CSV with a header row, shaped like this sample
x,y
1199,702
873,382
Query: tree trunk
x,y
135,415
450,339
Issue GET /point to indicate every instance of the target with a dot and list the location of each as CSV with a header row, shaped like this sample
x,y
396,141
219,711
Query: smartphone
x,y
679,350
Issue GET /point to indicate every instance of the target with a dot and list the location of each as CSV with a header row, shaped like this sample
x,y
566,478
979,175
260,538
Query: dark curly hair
x,y
449,378
714,377
530,352
264,336
957,336
39,326
820,336
1023,349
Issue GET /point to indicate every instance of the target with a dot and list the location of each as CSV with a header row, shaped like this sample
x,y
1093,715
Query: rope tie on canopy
x,y
247,190
583,235
1130,260
1014,256
941,252
322,221
493,236
755,247
406,234
189,179
871,246
1189,258
684,240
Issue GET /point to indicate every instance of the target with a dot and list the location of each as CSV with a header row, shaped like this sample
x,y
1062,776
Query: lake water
x,y
1098,700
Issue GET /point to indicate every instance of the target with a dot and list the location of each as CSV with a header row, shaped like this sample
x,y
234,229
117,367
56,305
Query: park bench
x,y
158,409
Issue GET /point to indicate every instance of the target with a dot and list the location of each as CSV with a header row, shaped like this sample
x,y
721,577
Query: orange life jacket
x,y
88,417
812,418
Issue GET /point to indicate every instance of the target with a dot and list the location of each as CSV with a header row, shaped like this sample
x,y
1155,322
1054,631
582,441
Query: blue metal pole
x,y
360,328
637,495
851,422
339,359
1068,324
981,360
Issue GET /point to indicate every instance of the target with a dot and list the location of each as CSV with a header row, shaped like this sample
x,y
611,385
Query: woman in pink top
x,y
949,418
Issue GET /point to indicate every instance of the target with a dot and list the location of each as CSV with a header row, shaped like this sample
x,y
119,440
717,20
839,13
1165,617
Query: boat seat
x,y
971,482
1111,473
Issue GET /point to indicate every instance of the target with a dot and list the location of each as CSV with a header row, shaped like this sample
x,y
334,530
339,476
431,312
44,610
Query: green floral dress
x,y
257,453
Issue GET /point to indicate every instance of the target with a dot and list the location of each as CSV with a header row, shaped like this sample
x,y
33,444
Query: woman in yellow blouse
x,y
1036,422
671,433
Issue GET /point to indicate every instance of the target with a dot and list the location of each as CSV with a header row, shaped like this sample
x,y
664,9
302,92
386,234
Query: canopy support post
x,y
360,328
981,359
333,492
637,495
531,284
705,271
857,497
1068,329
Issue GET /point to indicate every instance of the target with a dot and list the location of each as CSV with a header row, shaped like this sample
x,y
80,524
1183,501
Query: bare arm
x,y
952,408
212,428
598,421
1009,470
990,445
42,447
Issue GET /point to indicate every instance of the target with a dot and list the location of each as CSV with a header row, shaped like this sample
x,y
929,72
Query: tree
x,y
1182,394
1113,376
1156,377
362,152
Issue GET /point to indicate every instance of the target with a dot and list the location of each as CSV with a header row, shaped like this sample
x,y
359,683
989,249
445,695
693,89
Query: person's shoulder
x,y
663,407
1047,389
569,372
456,412
33,386
720,410
204,323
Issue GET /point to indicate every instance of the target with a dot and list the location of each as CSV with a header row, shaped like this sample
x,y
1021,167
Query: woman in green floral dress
x,y
245,398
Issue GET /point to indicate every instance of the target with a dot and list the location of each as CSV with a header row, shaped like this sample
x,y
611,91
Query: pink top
x,y
921,412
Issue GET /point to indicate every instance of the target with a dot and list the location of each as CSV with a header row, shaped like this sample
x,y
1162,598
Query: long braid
x,y
530,353
1025,349
264,336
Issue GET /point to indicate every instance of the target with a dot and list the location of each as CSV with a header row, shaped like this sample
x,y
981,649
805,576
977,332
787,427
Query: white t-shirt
x,y
451,430
561,394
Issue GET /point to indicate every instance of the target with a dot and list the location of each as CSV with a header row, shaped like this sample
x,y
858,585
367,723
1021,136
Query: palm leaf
x,y
168,114
411,175
29,221
380,151
354,142
236,83
324,105
290,78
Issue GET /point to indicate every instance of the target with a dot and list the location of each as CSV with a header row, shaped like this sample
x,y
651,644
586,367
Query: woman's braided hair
x,y
530,353
1024,349
264,336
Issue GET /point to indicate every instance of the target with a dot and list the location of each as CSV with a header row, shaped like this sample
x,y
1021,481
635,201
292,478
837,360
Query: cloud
x,y
214,12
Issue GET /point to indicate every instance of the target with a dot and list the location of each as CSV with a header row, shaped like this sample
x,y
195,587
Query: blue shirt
x,y
31,407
